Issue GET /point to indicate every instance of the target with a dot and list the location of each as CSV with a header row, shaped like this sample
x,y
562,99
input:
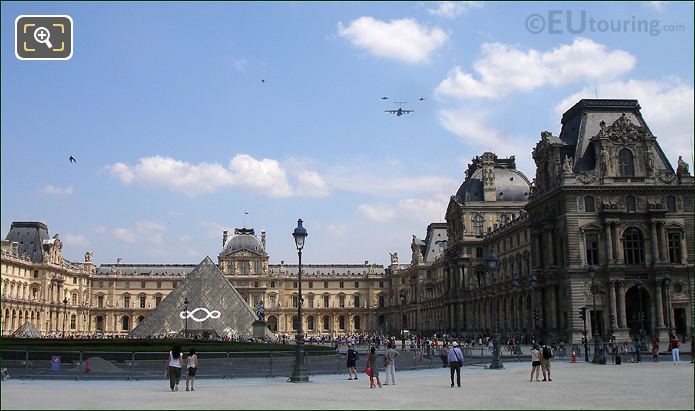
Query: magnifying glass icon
x,y
42,35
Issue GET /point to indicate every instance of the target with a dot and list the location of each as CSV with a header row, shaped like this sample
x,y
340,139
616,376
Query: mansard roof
x,y
30,235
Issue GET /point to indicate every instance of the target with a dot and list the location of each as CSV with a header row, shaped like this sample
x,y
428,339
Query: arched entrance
x,y
273,323
632,310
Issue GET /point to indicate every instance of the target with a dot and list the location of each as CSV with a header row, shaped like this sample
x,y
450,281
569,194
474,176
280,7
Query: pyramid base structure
x,y
215,309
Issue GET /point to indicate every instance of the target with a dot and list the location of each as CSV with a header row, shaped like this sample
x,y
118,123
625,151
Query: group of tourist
x,y
540,361
175,365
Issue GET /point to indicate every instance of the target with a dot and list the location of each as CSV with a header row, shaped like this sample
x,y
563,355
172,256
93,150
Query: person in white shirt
x,y
174,366
192,368
390,363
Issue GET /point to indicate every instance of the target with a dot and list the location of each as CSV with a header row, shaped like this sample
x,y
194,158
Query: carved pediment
x,y
623,130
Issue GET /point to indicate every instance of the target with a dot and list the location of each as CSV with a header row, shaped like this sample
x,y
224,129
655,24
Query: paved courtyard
x,y
574,386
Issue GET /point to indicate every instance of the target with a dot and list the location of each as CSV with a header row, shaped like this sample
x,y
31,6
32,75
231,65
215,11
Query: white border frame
x,y
72,37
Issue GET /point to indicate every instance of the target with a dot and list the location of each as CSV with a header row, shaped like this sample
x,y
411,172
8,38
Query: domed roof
x,y
510,185
243,242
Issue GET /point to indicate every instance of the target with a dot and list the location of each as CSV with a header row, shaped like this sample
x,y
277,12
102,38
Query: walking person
x,y
675,350
351,362
655,350
638,350
547,354
192,365
174,366
535,362
455,359
371,363
390,364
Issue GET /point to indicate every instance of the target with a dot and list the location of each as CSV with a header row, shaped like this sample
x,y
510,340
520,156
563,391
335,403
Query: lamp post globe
x,y
496,363
299,374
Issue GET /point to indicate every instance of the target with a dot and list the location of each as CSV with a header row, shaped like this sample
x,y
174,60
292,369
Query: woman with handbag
x,y
372,371
174,366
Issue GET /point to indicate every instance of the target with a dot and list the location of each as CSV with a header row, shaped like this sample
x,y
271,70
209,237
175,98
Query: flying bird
x,y
421,99
384,98
72,159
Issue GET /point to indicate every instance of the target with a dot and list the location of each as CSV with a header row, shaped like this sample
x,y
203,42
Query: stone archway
x,y
273,323
632,310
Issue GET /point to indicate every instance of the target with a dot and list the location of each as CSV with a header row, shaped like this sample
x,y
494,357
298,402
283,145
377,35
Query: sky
x,y
177,138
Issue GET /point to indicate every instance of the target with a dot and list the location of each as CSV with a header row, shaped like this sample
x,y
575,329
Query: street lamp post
x,y
299,374
586,340
667,283
185,324
638,283
517,345
598,352
534,310
65,311
496,363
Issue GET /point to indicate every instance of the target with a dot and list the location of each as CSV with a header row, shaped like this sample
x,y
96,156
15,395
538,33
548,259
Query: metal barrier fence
x,y
83,365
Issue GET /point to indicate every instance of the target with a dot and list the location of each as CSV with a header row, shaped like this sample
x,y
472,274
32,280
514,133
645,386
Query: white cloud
x,y
377,212
504,69
143,232
100,229
57,191
265,176
403,40
452,9
75,240
239,63
471,128
213,229
667,107
124,235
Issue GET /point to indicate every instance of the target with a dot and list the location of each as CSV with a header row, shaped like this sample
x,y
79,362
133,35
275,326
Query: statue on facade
x,y
604,162
394,258
567,165
260,311
88,257
650,162
683,168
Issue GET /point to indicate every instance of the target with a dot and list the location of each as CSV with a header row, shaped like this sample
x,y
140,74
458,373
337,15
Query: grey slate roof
x,y
30,235
145,269
510,185
329,270
206,288
243,242
436,232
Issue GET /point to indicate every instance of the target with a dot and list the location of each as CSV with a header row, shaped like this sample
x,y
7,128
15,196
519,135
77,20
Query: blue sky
x,y
176,136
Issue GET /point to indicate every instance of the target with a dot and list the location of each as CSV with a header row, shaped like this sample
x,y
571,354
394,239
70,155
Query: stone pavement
x,y
647,385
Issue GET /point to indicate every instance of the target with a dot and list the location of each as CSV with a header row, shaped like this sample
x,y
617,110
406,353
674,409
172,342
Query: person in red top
x,y
655,350
675,350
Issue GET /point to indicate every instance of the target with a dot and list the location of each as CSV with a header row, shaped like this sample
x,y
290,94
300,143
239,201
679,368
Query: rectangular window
x,y
126,302
157,300
342,301
142,284
143,300
74,280
382,301
127,284
479,252
591,249
272,284
326,300
325,284
311,301
255,284
357,301
402,280
73,322
342,284
295,301
357,284
174,284
100,301
271,300
429,273
159,284
101,284
381,284
36,273
311,284
674,248
294,284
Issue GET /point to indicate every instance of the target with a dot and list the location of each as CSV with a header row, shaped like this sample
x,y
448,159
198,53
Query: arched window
x,y
630,204
273,323
589,204
671,203
326,323
73,321
125,323
100,323
141,318
341,322
357,324
626,163
382,301
478,224
633,246
294,322
310,322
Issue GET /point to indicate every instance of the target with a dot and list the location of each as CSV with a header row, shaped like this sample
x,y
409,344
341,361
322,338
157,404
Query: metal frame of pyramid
x,y
26,330
214,307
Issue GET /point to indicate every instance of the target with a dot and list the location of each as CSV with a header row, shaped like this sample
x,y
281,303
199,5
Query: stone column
x,y
655,244
684,250
609,244
621,304
548,246
659,305
664,241
620,258
611,304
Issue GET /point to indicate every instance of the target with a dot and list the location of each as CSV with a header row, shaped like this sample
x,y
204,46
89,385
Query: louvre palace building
x,y
606,223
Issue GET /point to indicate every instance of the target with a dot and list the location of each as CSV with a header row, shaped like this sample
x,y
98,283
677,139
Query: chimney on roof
x,y
224,237
489,160
263,232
